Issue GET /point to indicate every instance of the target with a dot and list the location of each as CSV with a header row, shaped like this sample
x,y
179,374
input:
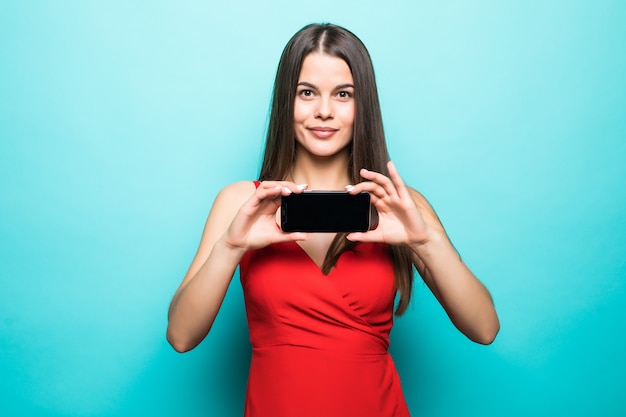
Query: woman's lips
x,y
323,132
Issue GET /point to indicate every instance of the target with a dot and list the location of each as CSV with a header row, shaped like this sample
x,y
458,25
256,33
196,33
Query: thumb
x,y
293,236
356,237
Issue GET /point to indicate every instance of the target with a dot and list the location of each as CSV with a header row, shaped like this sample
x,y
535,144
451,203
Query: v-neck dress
x,y
320,342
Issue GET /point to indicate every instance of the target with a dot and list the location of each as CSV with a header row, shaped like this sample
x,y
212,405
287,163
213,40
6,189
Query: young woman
x,y
320,305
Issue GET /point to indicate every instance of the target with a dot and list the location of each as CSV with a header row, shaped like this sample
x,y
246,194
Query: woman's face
x,y
324,108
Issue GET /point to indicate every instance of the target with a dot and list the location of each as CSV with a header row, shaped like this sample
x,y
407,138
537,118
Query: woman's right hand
x,y
199,297
254,225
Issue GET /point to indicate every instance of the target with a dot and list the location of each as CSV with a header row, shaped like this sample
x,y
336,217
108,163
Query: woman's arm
x,y
199,297
405,217
464,298
241,219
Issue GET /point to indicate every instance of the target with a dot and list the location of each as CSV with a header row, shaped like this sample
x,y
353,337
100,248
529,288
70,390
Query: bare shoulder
x,y
226,205
235,194
420,201
228,201
426,209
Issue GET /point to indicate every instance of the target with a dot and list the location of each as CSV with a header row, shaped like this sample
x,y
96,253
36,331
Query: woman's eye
x,y
344,94
306,93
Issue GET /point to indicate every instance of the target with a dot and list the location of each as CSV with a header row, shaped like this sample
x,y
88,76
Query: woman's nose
x,y
324,109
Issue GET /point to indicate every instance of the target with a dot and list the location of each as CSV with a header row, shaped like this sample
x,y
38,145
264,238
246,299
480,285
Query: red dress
x,y
319,342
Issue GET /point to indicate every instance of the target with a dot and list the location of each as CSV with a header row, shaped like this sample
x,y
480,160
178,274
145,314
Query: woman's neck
x,y
328,173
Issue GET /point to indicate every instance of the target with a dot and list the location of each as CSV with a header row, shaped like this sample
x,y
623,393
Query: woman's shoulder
x,y
426,210
227,203
419,199
235,193
239,187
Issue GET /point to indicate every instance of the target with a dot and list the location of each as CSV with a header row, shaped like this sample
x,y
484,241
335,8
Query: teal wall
x,y
121,120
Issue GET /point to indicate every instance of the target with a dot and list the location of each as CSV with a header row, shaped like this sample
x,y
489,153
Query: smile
x,y
323,132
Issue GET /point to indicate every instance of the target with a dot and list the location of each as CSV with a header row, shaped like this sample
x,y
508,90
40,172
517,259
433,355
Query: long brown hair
x,y
368,148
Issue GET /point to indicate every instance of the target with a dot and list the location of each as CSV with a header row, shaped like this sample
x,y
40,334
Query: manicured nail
x,y
287,190
302,186
349,187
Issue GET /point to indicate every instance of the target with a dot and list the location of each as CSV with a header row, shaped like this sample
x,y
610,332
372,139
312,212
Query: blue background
x,y
121,120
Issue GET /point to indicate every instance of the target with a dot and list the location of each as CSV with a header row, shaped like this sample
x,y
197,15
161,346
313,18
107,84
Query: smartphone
x,y
326,212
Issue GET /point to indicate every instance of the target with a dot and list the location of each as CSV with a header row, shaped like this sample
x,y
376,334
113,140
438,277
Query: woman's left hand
x,y
405,217
399,219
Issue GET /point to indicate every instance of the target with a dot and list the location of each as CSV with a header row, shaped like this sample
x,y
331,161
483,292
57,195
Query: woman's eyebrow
x,y
313,86
306,84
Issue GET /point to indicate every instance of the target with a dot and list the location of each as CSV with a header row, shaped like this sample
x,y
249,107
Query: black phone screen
x,y
325,211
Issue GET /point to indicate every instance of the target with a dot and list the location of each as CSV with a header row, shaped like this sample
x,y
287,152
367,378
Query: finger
x,y
273,189
265,193
371,236
287,185
381,180
397,180
266,197
354,189
376,191
367,185
292,237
